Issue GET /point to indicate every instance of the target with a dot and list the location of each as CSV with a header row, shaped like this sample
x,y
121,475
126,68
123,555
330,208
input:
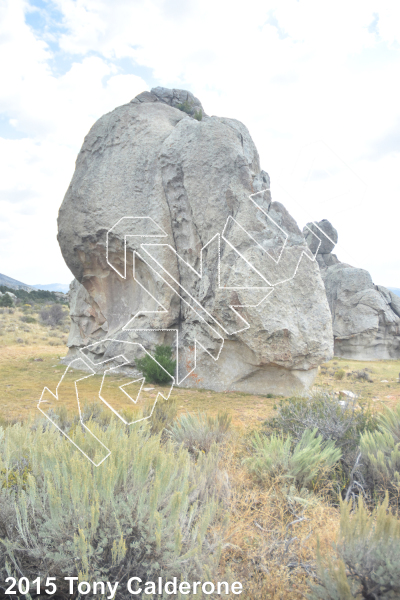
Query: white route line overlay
x,y
93,372
269,286
162,234
196,342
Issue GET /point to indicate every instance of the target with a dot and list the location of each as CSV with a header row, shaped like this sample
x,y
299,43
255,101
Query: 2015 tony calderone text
x,y
134,585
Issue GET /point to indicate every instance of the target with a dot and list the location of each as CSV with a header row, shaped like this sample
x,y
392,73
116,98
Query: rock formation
x,y
321,240
365,317
10,294
165,242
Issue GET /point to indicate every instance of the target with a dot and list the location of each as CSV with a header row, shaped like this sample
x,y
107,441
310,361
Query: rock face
x,y
227,275
181,99
365,317
12,296
321,238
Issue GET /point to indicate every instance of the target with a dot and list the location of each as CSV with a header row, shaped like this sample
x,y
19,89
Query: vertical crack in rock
x,y
149,158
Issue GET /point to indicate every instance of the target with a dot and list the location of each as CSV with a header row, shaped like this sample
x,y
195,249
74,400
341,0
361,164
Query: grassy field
x,y
26,370
15,330
268,531
383,389
27,366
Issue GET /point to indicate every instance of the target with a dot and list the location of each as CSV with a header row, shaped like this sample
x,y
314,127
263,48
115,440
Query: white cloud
x,y
388,21
54,113
293,72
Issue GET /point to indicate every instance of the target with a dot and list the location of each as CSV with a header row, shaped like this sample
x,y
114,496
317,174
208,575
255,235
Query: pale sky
x,y
316,83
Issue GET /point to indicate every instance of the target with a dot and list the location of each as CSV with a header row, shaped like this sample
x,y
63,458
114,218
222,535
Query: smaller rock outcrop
x,y
181,99
321,238
10,294
365,317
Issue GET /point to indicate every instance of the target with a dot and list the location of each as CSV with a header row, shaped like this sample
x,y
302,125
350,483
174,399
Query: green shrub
x,y
306,464
53,314
198,432
153,371
380,451
185,107
339,374
147,510
342,423
28,319
163,415
189,109
6,300
368,557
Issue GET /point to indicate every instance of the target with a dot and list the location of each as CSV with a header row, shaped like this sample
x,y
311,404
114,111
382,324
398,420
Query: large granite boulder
x,y
365,317
167,246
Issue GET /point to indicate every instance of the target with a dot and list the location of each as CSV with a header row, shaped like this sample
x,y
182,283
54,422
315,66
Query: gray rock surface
x,y
365,317
320,236
181,99
12,296
149,160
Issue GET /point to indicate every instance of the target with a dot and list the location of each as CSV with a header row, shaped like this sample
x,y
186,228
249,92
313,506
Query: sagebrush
x,y
367,562
380,454
342,422
147,510
198,432
53,315
305,464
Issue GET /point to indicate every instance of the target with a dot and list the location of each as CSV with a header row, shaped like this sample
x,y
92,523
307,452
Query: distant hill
x,y
64,287
52,287
14,284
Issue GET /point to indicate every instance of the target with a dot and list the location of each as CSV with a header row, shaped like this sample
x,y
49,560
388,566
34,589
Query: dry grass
x,y
271,542
26,369
23,377
385,386
13,331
